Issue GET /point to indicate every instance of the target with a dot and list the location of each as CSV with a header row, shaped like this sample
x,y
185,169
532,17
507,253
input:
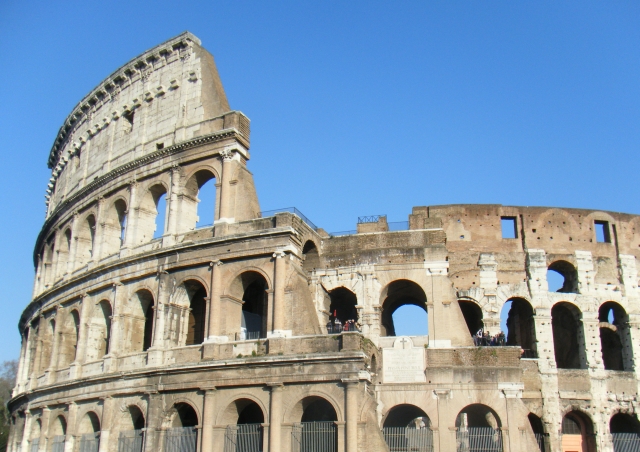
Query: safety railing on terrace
x,y
293,210
314,437
90,442
407,439
243,438
479,439
180,439
626,442
370,218
131,441
339,328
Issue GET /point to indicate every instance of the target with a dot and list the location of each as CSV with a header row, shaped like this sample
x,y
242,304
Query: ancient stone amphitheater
x,y
151,332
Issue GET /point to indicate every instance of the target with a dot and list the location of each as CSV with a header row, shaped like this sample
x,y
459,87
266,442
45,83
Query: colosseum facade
x,y
263,332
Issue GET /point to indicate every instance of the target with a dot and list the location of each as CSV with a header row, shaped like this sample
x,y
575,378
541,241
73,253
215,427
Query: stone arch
x,y
99,334
472,313
89,423
147,221
578,432
624,423
86,240
565,231
568,336
403,414
293,411
69,333
310,256
396,294
191,295
342,307
479,415
183,414
521,328
476,425
250,288
58,426
64,251
538,430
235,288
36,429
615,340
48,251
138,325
190,201
45,359
243,410
568,273
113,230
132,418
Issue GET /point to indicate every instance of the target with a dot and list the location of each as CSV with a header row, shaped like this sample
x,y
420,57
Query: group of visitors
x,y
336,326
484,339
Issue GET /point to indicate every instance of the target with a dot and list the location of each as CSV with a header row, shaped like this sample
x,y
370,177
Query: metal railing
x,y
247,335
35,444
341,233
180,439
405,439
243,438
626,442
339,328
540,441
293,210
314,437
57,444
131,441
90,442
479,439
370,218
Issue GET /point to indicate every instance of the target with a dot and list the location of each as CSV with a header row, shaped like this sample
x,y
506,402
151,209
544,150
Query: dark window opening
x,y
197,311
318,410
148,326
509,227
254,308
251,414
614,336
343,312
538,431
311,257
159,146
186,416
128,124
624,423
602,231
521,330
568,338
472,316
399,294
562,277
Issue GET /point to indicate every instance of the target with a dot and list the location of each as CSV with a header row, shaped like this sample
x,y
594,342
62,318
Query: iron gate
x,y
314,437
479,439
540,441
405,439
626,442
243,438
180,439
35,443
57,444
90,442
131,441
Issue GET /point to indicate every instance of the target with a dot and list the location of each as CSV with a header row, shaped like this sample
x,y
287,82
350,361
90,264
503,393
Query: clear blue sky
x,y
357,107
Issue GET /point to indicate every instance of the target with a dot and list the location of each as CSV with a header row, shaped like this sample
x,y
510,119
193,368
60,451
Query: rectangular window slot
x,y
602,231
128,125
509,230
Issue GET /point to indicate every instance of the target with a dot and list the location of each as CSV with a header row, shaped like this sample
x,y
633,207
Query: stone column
x,y
85,314
44,430
214,308
132,217
22,362
53,362
26,435
445,438
99,232
173,206
280,271
226,215
208,420
108,404
153,418
275,417
352,387
69,442
155,352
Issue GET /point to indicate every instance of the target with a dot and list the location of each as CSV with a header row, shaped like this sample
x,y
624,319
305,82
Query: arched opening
x,y
183,434
244,419
139,326
99,337
310,256
46,359
196,294
69,339
520,326
625,432
478,429
152,214
86,241
34,436
58,432
397,294
538,431
64,251
251,287
199,202
407,428
472,314
89,430
615,341
568,336
577,432
49,271
131,436
114,228
317,426
562,277
343,313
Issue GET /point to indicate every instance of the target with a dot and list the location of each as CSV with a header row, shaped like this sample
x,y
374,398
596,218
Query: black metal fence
x,y
180,439
293,210
90,442
626,442
479,439
405,439
244,438
339,328
314,437
131,441
57,443
35,444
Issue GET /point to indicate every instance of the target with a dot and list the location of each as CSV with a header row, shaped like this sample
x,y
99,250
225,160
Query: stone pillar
x,y
226,214
586,273
26,435
22,362
275,418
108,405
132,218
352,387
53,362
279,277
44,430
99,232
214,308
70,440
173,206
208,420
445,439
155,353
85,316
153,418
